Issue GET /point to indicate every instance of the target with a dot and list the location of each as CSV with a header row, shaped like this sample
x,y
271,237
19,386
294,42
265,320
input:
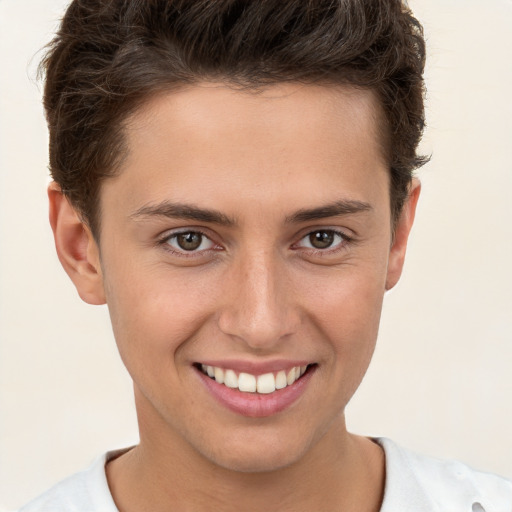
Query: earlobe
x,y
76,247
401,236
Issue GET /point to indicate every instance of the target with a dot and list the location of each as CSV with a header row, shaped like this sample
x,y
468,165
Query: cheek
x,y
346,310
349,297
351,318
353,329
154,311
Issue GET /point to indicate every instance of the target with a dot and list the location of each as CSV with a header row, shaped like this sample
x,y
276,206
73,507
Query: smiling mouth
x,y
266,383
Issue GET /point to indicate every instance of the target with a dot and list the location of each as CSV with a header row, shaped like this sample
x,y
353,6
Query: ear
x,y
77,250
402,230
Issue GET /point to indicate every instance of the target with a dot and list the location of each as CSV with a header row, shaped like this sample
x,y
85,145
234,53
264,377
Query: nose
x,y
259,302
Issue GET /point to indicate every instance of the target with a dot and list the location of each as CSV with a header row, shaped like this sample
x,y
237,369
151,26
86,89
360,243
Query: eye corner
x,y
188,243
332,254
323,239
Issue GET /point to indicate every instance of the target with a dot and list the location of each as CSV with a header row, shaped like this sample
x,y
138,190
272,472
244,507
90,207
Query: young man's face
x,y
249,233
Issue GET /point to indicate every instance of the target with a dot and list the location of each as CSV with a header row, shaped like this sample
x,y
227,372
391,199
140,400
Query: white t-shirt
x,y
414,483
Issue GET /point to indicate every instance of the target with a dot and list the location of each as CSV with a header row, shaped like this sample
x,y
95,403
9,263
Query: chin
x,y
255,463
259,454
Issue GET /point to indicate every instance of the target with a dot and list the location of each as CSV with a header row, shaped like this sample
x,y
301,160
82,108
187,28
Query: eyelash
x,y
345,241
164,243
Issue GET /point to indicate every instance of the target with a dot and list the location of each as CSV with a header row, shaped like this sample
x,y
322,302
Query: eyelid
x,y
163,241
346,240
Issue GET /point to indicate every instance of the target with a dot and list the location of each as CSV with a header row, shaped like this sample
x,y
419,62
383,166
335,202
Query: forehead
x,y
205,108
278,144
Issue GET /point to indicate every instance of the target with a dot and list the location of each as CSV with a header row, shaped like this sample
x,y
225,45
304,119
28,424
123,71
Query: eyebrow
x,y
168,209
336,209
182,211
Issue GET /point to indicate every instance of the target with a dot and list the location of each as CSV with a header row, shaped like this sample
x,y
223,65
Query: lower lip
x,y
257,405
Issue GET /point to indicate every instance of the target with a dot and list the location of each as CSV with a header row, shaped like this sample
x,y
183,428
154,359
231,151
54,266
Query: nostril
x,y
477,507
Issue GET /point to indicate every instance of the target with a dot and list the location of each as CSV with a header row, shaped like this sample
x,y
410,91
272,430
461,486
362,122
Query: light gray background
x,y
440,381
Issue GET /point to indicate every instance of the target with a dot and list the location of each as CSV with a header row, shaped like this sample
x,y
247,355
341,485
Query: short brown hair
x,y
110,55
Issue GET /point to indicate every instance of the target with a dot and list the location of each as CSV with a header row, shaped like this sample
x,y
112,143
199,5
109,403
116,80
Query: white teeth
x,y
281,380
219,375
247,382
230,379
264,384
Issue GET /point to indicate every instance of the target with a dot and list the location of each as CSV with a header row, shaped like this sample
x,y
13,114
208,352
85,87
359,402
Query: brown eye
x,y
322,239
189,241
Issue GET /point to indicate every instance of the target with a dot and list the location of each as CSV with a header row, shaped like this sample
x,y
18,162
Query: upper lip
x,y
255,367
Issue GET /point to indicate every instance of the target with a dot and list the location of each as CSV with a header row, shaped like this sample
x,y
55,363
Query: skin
x,y
256,290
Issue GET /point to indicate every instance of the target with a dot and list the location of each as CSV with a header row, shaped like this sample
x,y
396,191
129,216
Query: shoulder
x,y
441,485
82,492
